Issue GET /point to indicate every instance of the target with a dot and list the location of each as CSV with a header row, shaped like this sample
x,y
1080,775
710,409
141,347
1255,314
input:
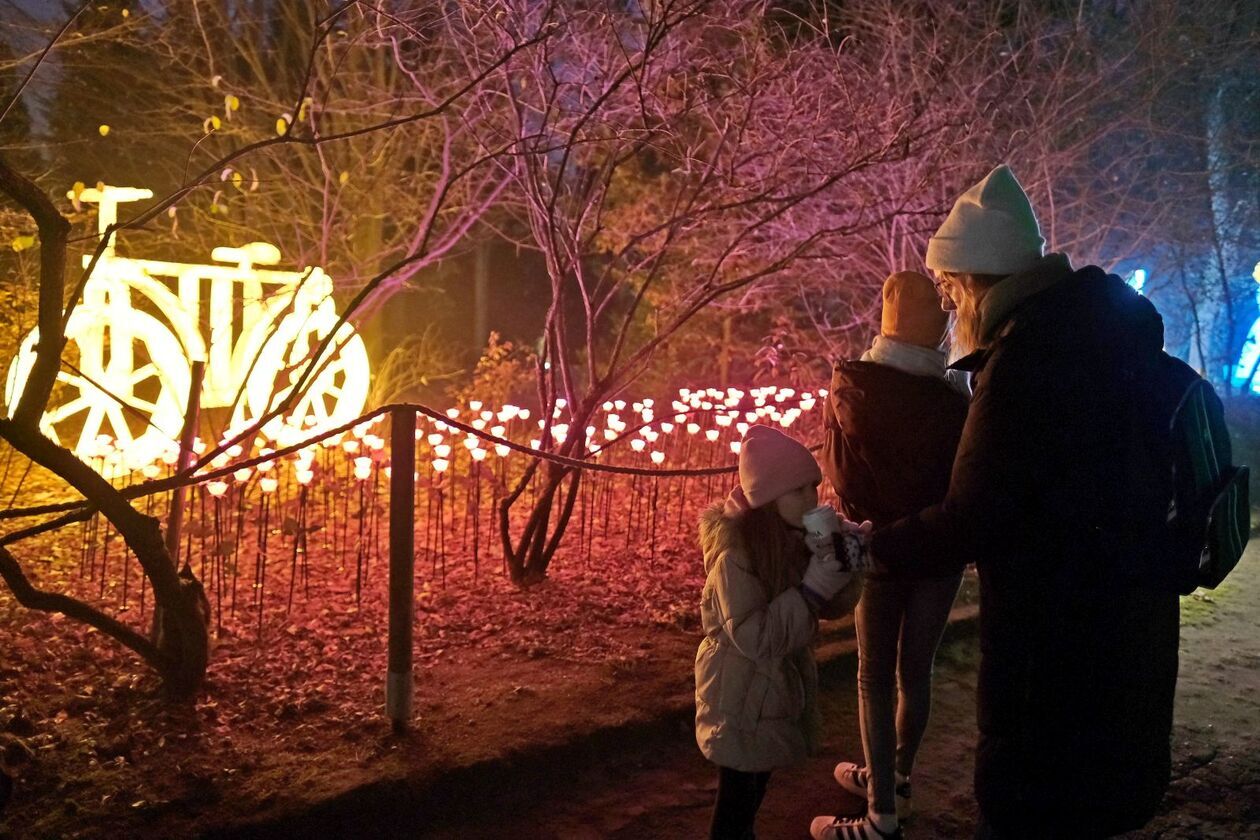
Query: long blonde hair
x,y
967,330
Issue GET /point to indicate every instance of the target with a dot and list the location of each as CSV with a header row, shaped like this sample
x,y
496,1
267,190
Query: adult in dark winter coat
x,y
1078,664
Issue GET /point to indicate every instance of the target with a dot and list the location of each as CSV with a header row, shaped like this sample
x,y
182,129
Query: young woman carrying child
x,y
767,581
893,421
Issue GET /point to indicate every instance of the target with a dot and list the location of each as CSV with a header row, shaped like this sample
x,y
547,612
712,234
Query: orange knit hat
x,y
912,310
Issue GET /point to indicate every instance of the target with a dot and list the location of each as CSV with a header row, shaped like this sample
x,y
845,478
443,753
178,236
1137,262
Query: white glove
x,y
821,545
824,577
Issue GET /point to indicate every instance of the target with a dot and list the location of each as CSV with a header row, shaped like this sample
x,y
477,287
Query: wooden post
x,y
175,516
402,561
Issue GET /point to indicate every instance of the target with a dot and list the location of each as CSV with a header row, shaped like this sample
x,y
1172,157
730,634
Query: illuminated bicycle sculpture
x,y
142,323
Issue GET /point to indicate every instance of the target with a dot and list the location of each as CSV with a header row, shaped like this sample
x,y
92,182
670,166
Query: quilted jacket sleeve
x,y
758,628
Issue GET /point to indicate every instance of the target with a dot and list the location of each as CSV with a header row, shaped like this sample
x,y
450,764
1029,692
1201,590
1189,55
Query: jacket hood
x,y
1004,298
718,535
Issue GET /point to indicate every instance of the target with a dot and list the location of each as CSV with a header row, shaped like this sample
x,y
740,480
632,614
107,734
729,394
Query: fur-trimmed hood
x,y
719,535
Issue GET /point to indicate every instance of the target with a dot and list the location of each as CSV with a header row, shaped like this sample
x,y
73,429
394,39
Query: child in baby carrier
x,y
893,420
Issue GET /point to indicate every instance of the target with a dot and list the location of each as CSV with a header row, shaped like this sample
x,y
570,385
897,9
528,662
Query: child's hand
x,y
820,545
824,577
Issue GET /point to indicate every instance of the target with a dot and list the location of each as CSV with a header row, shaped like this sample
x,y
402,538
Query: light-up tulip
x,y
440,464
497,431
501,449
712,435
442,450
723,420
434,439
452,413
638,445
268,484
658,458
479,424
478,455
535,443
217,488
693,428
742,428
471,442
610,434
474,405
351,446
304,476
667,428
151,471
242,475
523,413
736,446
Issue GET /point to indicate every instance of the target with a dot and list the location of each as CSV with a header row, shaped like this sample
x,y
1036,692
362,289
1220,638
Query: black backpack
x,y
1206,499
1211,499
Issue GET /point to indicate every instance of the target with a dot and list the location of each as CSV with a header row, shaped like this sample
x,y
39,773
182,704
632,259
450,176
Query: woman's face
x,y
794,504
949,288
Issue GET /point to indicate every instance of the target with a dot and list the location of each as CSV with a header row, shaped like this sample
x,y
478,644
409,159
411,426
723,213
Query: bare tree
x,y
180,651
669,155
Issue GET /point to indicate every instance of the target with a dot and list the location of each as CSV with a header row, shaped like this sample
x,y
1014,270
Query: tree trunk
x,y
529,560
181,654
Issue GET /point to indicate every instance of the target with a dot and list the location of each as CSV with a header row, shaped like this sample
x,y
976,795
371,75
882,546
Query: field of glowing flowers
x,y
311,528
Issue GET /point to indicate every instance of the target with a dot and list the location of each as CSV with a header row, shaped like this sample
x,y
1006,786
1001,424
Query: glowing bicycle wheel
x,y
335,393
136,359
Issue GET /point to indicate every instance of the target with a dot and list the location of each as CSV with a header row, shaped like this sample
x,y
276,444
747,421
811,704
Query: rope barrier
x,y
151,487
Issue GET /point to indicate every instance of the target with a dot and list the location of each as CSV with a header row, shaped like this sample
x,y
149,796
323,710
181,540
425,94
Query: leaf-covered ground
x,y
300,713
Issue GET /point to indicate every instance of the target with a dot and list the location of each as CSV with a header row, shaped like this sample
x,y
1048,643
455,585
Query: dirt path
x,y
665,791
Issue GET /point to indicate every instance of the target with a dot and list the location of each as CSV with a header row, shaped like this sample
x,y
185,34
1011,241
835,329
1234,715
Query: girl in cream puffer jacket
x,y
756,680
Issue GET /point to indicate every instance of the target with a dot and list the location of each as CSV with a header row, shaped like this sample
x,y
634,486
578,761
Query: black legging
x,y
739,795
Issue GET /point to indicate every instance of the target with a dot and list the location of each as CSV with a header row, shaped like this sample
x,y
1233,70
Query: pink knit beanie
x,y
770,464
